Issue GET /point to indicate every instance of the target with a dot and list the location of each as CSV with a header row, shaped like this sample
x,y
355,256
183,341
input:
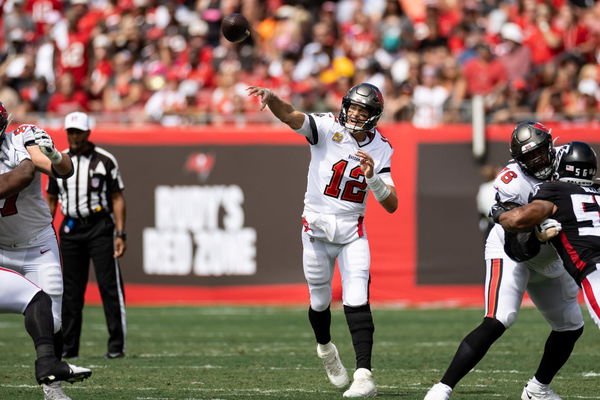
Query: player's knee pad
x,y
320,297
507,320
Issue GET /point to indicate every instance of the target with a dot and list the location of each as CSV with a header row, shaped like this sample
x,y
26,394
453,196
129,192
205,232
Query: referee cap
x,y
77,120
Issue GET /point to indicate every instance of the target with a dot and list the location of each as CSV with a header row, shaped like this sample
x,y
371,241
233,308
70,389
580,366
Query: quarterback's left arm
x,y
522,219
384,193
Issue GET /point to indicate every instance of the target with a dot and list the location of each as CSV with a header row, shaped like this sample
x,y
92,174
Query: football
x,y
235,28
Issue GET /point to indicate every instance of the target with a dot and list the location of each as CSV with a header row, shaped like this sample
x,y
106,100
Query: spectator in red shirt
x,y
484,74
67,97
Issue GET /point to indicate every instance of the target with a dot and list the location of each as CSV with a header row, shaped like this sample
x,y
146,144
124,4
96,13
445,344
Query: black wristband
x,y
121,235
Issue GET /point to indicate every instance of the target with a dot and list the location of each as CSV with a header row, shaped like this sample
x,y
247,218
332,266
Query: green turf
x,y
269,353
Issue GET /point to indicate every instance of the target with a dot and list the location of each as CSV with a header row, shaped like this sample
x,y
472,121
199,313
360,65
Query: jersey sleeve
x,y
384,169
319,125
511,187
114,181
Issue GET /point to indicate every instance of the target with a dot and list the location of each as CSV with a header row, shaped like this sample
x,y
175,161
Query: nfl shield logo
x,y
95,183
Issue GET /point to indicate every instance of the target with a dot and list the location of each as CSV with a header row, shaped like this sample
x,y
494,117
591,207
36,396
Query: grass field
x,y
269,353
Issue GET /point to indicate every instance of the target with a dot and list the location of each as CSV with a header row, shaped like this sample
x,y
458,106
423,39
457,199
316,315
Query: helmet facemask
x,y
370,99
538,162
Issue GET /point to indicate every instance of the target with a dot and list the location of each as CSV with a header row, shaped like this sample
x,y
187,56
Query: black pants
x,y
85,240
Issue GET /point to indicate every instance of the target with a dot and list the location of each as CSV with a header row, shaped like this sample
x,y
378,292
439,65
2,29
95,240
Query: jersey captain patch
x,y
337,137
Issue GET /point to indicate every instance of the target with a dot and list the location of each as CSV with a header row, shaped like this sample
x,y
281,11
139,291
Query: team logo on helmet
x,y
200,163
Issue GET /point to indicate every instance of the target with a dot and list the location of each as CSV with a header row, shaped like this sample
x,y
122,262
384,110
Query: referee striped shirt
x,y
95,178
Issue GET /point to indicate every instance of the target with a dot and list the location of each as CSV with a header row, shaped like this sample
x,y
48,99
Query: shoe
x,y
439,391
49,369
536,391
363,385
54,391
336,372
110,356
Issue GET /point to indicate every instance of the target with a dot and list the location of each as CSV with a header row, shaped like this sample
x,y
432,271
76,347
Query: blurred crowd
x,y
132,61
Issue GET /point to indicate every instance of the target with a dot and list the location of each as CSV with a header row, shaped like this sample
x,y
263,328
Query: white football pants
x,y
15,291
556,298
40,263
318,259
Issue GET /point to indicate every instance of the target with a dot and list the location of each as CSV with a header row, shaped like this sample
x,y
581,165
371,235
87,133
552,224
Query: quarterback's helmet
x,y
577,164
4,117
367,96
532,148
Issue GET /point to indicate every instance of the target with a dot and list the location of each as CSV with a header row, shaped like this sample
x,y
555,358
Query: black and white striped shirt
x,y
88,191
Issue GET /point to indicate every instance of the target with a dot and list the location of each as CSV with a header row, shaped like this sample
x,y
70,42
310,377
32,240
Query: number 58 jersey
x,y
336,184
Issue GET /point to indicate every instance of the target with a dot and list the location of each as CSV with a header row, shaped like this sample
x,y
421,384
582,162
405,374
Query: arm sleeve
x,y
385,170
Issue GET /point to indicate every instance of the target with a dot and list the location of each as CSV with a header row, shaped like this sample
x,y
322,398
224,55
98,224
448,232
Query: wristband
x,y
378,187
55,157
121,235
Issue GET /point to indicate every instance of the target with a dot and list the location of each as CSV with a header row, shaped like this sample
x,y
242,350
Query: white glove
x,y
548,229
44,141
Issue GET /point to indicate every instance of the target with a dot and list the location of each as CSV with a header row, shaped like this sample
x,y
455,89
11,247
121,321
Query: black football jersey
x,y
578,244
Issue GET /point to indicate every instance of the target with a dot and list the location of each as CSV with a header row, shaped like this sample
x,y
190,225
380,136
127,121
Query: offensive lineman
x,y
348,156
28,242
552,290
19,295
574,202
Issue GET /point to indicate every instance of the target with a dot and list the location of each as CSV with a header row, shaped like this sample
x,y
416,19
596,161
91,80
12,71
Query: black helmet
x,y
4,117
532,148
367,96
577,164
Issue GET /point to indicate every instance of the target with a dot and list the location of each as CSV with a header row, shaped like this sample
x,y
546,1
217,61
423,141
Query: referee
x,y
89,231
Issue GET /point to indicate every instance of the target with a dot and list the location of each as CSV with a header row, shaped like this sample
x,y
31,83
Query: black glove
x,y
496,211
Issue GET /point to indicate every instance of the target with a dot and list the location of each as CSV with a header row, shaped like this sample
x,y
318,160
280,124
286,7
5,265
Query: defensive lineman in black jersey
x,y
574,201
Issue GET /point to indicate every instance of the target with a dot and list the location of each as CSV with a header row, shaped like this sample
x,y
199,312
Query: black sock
x,y
472,349
58,344
557,351
321,323
40,324
360,322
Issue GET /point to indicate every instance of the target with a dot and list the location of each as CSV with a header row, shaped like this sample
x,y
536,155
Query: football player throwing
x,y
349,158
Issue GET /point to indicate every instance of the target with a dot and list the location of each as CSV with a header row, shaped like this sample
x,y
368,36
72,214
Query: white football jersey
x,y
336,184
25,214
515,186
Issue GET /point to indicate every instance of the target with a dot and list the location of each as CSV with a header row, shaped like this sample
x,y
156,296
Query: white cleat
x,y
334,368
439,391
54,391
363,385
536,391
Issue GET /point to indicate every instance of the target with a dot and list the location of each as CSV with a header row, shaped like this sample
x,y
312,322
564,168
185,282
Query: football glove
x,y
46,145
548,229
500,208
